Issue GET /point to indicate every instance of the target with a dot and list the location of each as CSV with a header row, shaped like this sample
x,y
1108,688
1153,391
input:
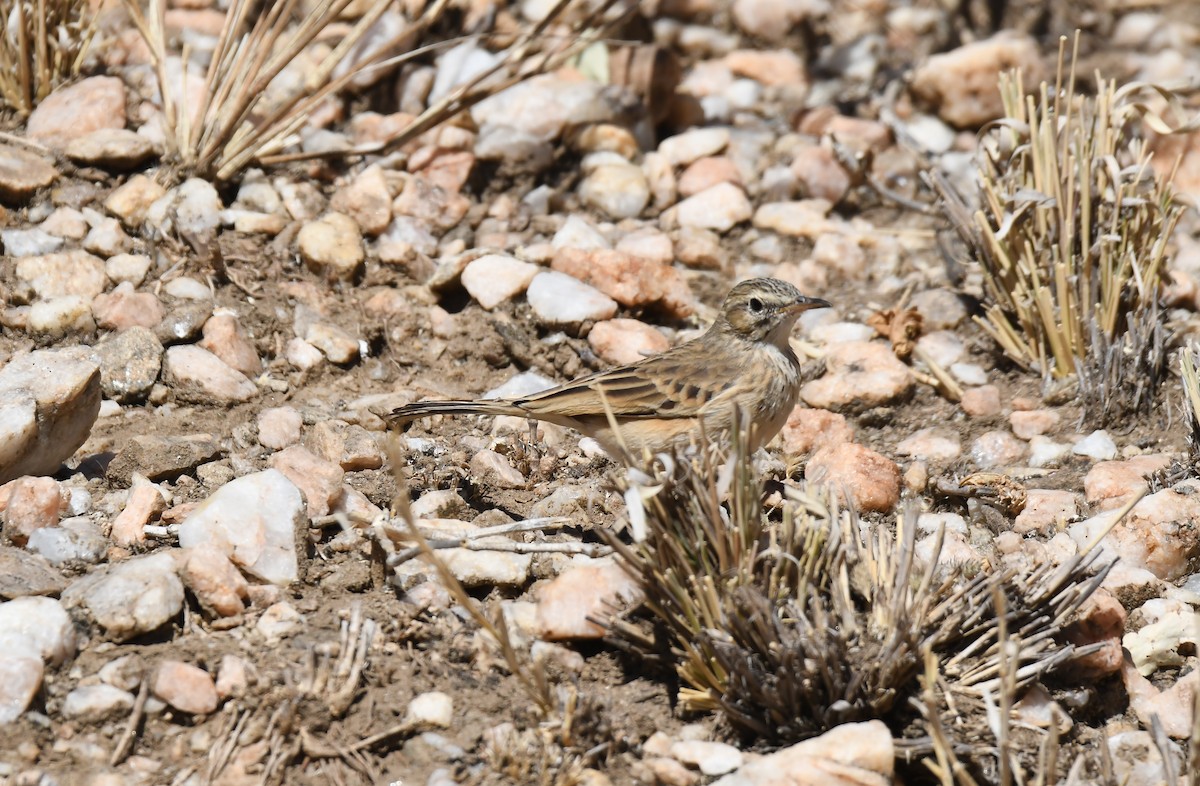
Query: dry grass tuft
x,y
1073,232
793,626
42,45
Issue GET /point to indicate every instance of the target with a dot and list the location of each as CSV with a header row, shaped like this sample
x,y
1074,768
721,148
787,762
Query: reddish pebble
x,y
981,402
806,428
622,341
1100,620
185,687
32,503
868,480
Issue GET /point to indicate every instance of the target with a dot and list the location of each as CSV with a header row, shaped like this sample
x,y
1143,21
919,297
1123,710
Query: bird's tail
x,y
422,409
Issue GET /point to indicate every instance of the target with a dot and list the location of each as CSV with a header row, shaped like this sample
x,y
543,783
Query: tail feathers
x,y
423,409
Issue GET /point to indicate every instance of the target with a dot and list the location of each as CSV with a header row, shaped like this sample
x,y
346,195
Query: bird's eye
x,y
756,304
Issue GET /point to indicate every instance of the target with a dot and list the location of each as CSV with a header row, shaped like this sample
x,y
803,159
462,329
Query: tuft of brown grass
x,y
42,45
1073,232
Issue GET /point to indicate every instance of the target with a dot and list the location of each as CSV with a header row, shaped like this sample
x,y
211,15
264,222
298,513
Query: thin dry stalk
x,y
42,45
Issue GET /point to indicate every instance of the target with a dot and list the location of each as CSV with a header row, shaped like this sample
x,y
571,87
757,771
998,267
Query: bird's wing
x,y
660,386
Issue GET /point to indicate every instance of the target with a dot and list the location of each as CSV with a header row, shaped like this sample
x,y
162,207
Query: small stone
x,y
279,427
320,480
433,709
859,375
144,503
124,672
350,446
631,281
819,174
233,677
332,246
559,299
719,208
1045,510
1031,423
932,444
20,675
431,204
1098,446
256,521
76,110
74,272
114,149
996,449
711,758
195,374
706,173
28,504
693,144
1109,484
493,279
336,344
940,309
489,467
279,621
480,568
618,190
131,201
39,628
593,590
185,687
132,597
981,402
808,428
74,540
213,579
623,341
942,346
577,233
224,337
187,288
367,200
29,242
184,322
969,373
123,308
648,243
129,364
700,248
23,574
866,479
961,84
49,400
1045,452
61,316
773,20
22,173
302,355
190,209
96,704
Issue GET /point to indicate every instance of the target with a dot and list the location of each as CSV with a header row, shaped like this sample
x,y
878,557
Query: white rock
x,y
187,288
943,346
576,232
559,299
525,383
132,597
1045,452
303,355
20,680
718,207
711,758
198,375
59,316
96,703
76,539
969,374
128,267
1098,446
37,627
67,273
29,242
192,207
495,278
61,388
542,106
617,190
693,144
431,709
279,621
256,521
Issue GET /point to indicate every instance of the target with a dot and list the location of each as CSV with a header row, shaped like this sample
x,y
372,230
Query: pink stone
x,y
981,402
859,374
350,446
279,427
629,280
819,173
1044,509
185,687
1110,483
32,503
806,428
867,480
144,503
1100,620
931,444
320,480
74,111
215,581
1034,422
592,590
706,173
623,341
123,307
224,337
997,449
367,200
780,67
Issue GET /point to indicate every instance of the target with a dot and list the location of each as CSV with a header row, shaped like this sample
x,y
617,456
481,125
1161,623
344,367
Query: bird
x,y
743,362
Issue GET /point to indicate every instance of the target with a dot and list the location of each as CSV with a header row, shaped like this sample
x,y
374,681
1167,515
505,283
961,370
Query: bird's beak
x,y
804,303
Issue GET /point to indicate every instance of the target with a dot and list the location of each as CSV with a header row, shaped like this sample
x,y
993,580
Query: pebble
x,y
28,504
114,149
61,316
332,246
334,343
96,703
233,677
693,144
631,281
851,753
1100,620
1108,484
22,174
940,309
76,110
772,20
996,449
123,308
20,680
23,574
187,288
106,238
981,402
622,341
38,628
29,242
942,346
648,243
302,355
961,84
931,444
279,621
437,207
493,279
184,321
525,383
130,361
279,427
577,233
224,337
144,503
806,218
366,199
1045,509
969,373
256,521
807,428
130,598
819,174
433,709
477,568
720,208
711,758
1031,423
130,202
350,446
558,299
320,480
491,468
1098,446
49,400
859,374
195,374
618,190
191,208
74,540
593,590
1045,452
185,687
74,272
865,479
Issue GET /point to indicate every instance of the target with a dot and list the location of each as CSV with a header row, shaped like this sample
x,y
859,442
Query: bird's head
x,y
764,309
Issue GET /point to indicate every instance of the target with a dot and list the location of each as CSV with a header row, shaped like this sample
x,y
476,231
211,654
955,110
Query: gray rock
x,y
60,389
75,540
96,703
115,149
195,374
162,458
22,173
29,242
22,574
131,597
184,321
129,363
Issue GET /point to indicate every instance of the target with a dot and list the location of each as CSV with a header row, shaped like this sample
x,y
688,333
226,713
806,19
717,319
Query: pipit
x,y
742,363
